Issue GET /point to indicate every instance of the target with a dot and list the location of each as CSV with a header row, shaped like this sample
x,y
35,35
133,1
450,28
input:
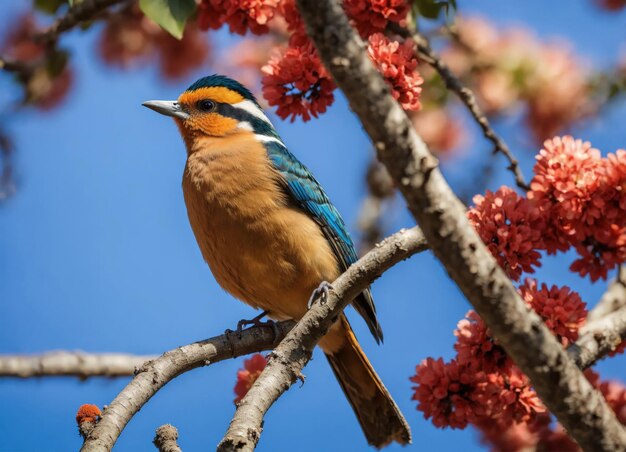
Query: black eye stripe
x,y
206,105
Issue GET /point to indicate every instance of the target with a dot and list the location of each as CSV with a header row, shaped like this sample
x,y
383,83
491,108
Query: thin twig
x,y
598,338
613,299
19,67
467,97
286,362
71,364
76,15
561,385
166,439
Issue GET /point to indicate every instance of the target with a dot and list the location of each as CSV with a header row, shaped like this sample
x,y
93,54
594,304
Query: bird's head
x,y
216,106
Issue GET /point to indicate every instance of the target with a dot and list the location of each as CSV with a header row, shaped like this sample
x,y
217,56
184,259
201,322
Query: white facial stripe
x,y
245,125
266,139
251,108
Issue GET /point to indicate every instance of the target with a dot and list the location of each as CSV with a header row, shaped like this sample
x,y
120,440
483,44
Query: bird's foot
x,y
321,294
254,322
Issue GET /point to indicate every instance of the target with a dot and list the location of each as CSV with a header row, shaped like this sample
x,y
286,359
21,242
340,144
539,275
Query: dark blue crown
x,y
226,82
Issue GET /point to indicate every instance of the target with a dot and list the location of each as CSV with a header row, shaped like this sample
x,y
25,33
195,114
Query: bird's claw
x,y
320,293
256,321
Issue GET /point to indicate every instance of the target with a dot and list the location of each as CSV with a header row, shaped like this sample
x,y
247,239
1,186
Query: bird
x,y
270,235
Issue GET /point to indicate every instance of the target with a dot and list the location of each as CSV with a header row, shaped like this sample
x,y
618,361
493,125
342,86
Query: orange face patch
x,y
212,124
215,93
209,123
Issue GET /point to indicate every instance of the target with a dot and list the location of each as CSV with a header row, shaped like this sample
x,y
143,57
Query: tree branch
x,y
598,338
467,97
286,362
605,327
77,14
560,384
71,364
18,67
165,439
613,299
156,374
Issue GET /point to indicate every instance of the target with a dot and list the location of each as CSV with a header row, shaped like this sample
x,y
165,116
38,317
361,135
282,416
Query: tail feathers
x,y
379,416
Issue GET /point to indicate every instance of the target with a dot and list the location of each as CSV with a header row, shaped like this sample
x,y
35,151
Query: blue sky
x,y
96,254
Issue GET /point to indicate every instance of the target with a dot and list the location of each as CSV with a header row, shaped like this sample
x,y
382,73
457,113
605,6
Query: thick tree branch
x,y
286,362
165,439
468,98
71,364
560,384
156,374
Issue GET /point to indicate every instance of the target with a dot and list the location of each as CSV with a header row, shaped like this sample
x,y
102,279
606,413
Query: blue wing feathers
x,y
307,193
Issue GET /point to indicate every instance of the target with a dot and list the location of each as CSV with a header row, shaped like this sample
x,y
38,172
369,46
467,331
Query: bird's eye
x,y
206,105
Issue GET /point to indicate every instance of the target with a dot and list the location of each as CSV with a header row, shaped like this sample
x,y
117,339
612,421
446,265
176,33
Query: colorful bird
x,y
270,234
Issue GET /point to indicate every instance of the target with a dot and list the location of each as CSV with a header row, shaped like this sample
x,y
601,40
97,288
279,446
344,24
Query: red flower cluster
x,y
129,38
541,434
511,228
512,68
560,308
294,79
371,16
51,79
582,196
297,82
536,435
440,129
577,200
397,63
246,377
88,413
481,385
295,25
240,15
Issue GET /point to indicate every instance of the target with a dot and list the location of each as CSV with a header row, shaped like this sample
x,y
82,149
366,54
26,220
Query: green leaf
x,y
432,9
171,15
48,6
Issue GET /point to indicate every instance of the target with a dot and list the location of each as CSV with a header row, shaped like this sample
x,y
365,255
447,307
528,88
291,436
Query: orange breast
x,y
260,249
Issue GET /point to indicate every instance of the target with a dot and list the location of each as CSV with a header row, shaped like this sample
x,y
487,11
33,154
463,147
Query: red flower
x,y
372,16
582,196
560,308
178,58
297,82
511,228
506,397
396,62
248,375
88,413
240,15
566,173
441,392
51,78
295,25
475,347
440,130
127,38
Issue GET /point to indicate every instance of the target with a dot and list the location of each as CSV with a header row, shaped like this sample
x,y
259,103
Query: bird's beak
x,y
167,108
